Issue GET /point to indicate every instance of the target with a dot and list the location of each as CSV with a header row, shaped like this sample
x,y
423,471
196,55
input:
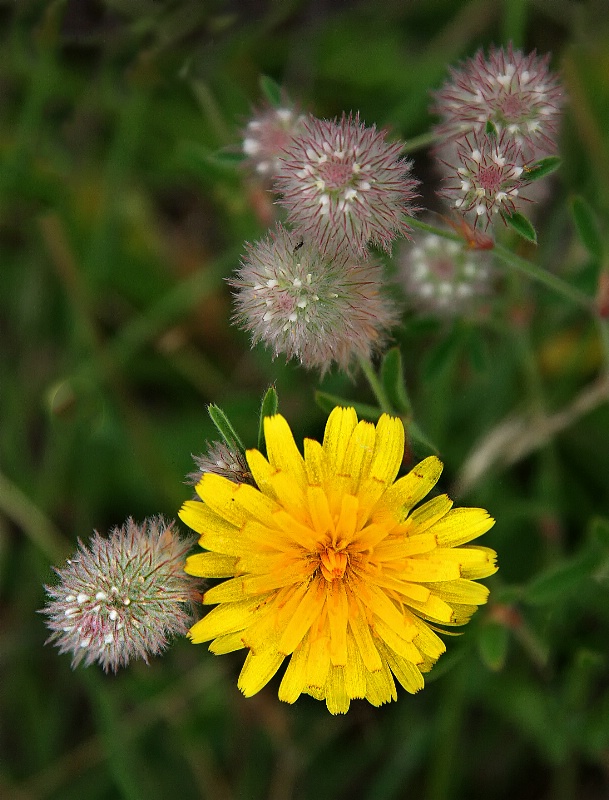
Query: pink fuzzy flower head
x,y
307,306
266,135
122,597
514,91
444,278
344,187
487,178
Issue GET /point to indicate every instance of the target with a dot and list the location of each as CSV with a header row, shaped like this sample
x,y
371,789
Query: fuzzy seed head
x,y
486,179
442,277
222,460
344,187
122,597
266,136
310,307
513,90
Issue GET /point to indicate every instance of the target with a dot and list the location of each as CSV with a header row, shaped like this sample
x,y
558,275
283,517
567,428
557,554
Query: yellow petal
x,y
309,607
210,565
339,428
320,512
403,648
407,673
337,699
359,453
355,671
227,618
258,671
261,472
409,490
388,449
461,525
423,517
315,462
293,683
219,494
380,687
433,609
462,591
255,504
362,636
319,656
422,569
401,547
338,617
227,644
291,495
281,449
216,533
483,566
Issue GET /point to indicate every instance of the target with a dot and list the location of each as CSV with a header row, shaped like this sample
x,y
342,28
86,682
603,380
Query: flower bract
x,y
330,565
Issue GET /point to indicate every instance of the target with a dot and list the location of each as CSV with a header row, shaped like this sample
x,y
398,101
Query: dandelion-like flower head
x,y
344,186
330,565
513,90
310,307
122,597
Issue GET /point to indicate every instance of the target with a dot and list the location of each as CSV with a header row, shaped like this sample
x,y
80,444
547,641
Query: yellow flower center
x,y
333,564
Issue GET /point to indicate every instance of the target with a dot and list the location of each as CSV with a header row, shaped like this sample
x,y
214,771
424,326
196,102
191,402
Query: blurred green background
x,y
120,216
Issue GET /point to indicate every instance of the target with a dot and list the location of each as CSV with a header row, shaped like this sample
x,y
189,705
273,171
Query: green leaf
x,y
493,640
392,377
522,225
327,402
539,169
268,408
587,227
224,428
272,91
490,129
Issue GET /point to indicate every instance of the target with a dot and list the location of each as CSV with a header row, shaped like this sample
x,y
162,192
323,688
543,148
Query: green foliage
x,y
522,225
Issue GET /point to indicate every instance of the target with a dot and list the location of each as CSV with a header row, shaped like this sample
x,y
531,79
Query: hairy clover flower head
x,y
310,307
266,136
345,187
487,176
442,277
513,90
122,597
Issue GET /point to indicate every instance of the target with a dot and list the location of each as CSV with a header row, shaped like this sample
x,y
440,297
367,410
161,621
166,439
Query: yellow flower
x,y
329,564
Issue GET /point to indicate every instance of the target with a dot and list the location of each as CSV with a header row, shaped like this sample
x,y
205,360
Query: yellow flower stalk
x,y
330,565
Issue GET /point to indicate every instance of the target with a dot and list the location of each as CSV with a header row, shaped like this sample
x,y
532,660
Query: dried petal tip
x,y
512,90
344,186
310,307
122,597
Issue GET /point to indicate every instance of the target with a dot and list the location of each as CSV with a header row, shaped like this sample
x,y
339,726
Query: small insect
x,y
299,245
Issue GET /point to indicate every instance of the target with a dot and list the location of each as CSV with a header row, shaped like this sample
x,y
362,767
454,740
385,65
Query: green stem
x,y
421,141
376,385
524,266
